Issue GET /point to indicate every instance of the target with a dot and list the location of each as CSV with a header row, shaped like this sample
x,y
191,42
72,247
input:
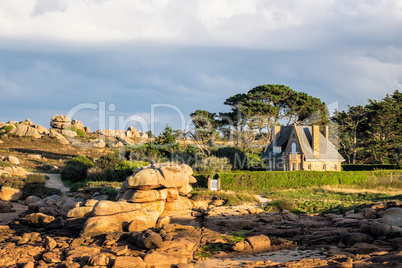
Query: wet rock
x,y
364,248
353,238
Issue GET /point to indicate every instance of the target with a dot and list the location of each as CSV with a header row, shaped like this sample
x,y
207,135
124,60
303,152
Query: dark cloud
x,y
191,55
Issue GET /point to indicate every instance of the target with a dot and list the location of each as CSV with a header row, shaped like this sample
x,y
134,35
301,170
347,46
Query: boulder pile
x,y
23,129
60,122
118,138
161,187
152,191
63,124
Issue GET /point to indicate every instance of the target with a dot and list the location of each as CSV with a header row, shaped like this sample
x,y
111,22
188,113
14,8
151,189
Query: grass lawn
x,y
328,199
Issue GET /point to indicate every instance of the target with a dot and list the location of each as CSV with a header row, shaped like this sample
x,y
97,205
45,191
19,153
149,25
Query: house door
x,y
293,166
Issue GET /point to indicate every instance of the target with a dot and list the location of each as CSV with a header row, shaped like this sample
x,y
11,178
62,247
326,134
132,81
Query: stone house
x,y
302,148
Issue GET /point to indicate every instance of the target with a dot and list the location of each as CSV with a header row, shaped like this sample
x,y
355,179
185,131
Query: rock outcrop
x,y
108,217
10,194
118,138
160,187
26,131
60,122
150,192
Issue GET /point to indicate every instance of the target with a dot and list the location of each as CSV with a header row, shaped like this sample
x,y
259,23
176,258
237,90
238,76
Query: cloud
x,y
252,24
55,54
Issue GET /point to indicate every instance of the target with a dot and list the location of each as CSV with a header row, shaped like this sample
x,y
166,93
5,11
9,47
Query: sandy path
x,y
55,182
6,218
262,199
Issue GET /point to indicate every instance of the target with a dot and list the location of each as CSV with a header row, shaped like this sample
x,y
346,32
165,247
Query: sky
x,y
148,63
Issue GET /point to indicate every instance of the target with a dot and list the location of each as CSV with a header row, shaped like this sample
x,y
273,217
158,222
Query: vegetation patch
x,y
231,199
75,169
356,167
263,181
315,200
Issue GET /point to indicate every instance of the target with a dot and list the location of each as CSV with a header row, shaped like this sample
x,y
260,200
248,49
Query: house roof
x,y
327,151
281,140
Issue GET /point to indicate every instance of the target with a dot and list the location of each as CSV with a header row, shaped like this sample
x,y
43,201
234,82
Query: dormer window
x,y
277,149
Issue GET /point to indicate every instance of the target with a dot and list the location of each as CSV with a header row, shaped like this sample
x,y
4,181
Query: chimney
x,y
326,132
316,140
275,132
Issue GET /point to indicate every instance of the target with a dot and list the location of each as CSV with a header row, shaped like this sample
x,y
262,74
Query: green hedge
x,y
260,181
351,167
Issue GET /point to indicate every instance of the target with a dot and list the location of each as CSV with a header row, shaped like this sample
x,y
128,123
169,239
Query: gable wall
x,y
293,138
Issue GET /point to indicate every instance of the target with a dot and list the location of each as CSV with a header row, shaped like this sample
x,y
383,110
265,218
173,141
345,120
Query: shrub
x,y
36,178
125,168
81,133
5,164
8,128
73,128
108,161
284,204
39,190
261,181
213,164
351,167
237,157
76,169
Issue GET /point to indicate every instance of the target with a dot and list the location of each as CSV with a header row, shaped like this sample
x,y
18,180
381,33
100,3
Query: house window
x,y
335,167
293,148
277,149
309,167
324,167
293,166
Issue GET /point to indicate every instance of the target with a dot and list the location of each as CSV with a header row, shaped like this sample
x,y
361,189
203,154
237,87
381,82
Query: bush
x,y
104,187
283,204
108,161
237,157
36,178
125,168
73,128
5,164
261,181
76,169
8,128
81,133
351,167
213,164
39,190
